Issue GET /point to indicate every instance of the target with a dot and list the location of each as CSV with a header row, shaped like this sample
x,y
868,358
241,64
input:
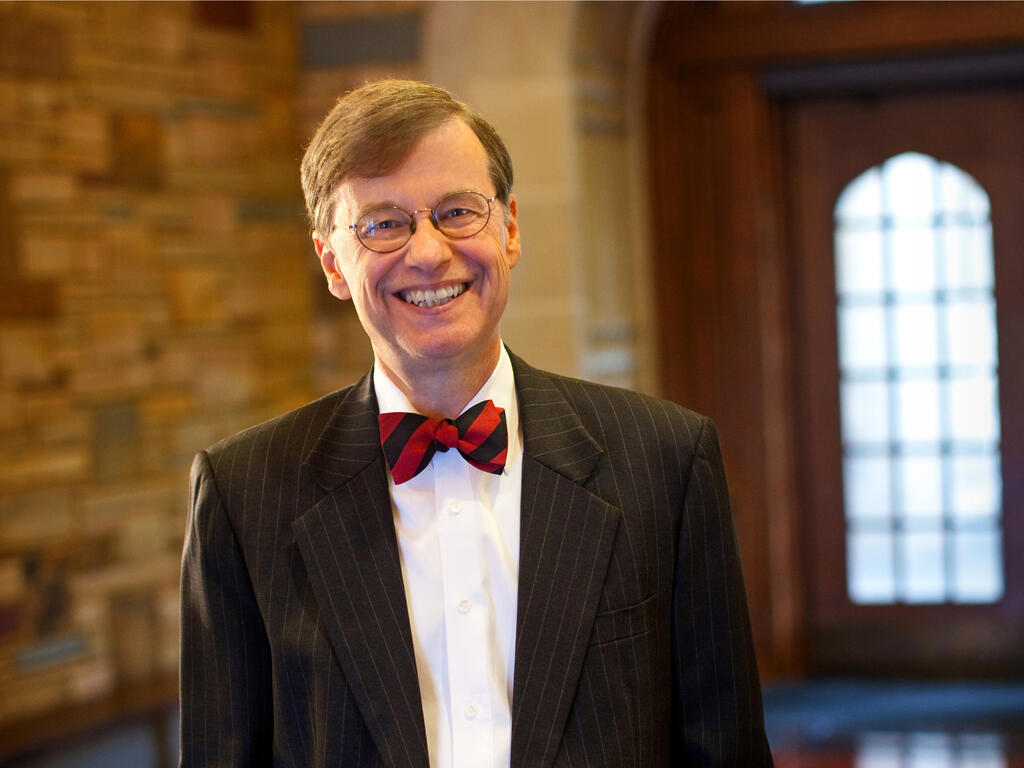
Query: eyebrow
x,y
370,207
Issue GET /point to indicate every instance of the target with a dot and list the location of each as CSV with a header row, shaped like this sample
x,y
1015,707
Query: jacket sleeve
x,y
716,697
225,682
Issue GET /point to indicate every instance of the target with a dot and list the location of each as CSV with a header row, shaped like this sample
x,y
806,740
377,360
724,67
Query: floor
x,y
819,724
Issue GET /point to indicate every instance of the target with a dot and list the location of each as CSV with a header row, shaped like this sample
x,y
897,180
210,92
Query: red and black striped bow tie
x,y
410,439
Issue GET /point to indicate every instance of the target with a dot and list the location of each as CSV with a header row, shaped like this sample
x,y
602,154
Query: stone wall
x,y
153,298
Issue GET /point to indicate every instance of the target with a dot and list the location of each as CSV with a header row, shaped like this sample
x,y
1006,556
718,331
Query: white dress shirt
x,y
458,535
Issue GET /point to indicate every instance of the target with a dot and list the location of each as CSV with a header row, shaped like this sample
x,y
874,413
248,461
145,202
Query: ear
x,y
336,283
512,244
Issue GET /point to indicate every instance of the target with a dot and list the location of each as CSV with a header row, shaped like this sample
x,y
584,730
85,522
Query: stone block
x,y
28,299
83,144
138,152
28,351
347,42
167,31
546,333
197,296
133,618
29,187
115,441
214,214
235,16
56,256
104,510
33,517
140,535
125,577
546,268
12,579
31,47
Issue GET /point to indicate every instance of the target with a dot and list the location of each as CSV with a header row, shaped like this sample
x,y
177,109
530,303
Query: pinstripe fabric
x,y
633,644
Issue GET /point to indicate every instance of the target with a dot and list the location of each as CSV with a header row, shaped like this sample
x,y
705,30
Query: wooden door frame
x,y
982,639
721,259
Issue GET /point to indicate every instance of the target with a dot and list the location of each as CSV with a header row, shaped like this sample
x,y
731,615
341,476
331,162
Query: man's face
x,y
453,334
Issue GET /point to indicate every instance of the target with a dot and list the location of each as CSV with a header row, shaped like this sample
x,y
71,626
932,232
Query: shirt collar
x,y
500,387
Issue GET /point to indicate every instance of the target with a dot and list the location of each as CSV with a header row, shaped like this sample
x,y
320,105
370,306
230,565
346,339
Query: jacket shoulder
x,y
603,408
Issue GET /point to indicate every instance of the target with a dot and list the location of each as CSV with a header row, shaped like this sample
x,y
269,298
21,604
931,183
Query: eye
x,y
454,212
460,207
382,222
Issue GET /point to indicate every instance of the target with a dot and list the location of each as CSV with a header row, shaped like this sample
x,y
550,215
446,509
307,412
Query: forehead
x,y
448,159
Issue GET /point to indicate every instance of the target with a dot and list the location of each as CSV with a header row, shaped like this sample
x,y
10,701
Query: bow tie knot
x,y
446,435
410,440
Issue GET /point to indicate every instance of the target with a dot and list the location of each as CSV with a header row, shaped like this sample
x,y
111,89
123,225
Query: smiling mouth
x,y
431,298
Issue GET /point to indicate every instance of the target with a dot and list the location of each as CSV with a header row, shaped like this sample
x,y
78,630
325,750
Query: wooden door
x,y
829,143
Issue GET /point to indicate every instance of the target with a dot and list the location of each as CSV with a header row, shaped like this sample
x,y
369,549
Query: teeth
x,y
432,298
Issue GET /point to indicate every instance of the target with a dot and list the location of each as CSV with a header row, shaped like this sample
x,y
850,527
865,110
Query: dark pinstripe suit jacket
x,y
633,643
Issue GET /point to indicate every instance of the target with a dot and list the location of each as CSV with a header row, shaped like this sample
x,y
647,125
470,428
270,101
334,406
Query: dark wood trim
x,y
753,34
831,142
880,76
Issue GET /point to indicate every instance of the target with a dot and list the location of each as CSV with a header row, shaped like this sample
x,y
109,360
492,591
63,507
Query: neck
x,y
441,393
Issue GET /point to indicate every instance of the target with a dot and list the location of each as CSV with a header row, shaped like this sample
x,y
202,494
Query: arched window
x,y
918,394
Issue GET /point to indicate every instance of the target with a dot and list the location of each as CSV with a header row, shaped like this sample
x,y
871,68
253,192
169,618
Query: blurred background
x,y
802,219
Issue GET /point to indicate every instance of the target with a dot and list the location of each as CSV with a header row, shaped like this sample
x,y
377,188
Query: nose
x,y
427,248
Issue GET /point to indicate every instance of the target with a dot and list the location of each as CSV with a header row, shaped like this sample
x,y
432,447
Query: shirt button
x,y
464,606
471,712
454,508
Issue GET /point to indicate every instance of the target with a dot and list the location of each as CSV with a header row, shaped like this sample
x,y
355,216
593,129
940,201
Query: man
x,y
560,589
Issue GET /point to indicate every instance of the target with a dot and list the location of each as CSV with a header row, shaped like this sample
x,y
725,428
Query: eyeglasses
x,y
458,215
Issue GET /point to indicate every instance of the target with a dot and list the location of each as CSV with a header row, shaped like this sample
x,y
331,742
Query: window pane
x,y
920,481
862,337
866,487
913,259
982,750
967,254
917,341
918,411
879,750
974,409
859,261
977,486
909,188
960,194
865,411
862,199
979,567
930,750
972,333
870,569
924,572
952,190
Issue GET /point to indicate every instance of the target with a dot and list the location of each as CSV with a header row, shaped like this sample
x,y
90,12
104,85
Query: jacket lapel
x,y
566,537
348,544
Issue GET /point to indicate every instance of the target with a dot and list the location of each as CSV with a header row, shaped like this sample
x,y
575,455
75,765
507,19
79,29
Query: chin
x,y
447,348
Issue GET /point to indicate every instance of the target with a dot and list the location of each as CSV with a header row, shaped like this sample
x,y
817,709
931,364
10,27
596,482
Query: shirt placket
x,y
466,614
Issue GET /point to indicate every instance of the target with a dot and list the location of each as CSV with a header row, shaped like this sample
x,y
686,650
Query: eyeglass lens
x,y
462,214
